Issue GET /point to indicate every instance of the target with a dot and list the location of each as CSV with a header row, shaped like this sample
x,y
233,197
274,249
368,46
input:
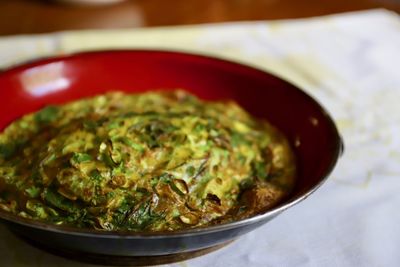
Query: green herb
x,y
142,217
47,115
36,208
259,169
126,205
58,201
154,181
190,171
49,159
238,139
132,144
35,176
242,159
106,158
142,190
7,150
81,157
246,183
199,128
120,215
111,194
33,191
90,125
95,175
175,188
113,125
165,178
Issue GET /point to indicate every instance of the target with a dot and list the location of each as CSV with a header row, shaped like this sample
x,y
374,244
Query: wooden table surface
x,y
35,16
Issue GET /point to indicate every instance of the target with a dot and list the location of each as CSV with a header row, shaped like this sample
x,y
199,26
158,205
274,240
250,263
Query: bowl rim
x,y
87,232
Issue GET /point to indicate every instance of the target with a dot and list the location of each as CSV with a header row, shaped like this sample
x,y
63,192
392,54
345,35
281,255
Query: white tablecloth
x,y
347,62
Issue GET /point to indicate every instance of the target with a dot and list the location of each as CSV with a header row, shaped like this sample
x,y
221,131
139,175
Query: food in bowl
x,y
156,161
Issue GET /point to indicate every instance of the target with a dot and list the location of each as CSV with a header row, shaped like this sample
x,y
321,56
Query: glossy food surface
x,y
156,161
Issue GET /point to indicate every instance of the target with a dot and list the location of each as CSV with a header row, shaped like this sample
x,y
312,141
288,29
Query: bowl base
x,y
114,260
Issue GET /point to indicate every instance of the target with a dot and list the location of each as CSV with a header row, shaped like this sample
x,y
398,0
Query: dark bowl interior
x,y
309,128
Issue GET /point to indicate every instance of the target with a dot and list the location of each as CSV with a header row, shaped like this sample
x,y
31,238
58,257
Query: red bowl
x,y
309,128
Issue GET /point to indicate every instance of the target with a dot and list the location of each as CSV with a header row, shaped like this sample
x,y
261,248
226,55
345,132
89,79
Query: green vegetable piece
x,y
154,181
137,147
238,139
47,115
110,194
95,175
175,213
246,183
120,215
199,128
36,208
143,217
142,190
106,158
81,157
35,176
125,206
58,201
113,125
179,186
49,159
90,125
7,150
132,144
190,171
165,178
33,191
260,170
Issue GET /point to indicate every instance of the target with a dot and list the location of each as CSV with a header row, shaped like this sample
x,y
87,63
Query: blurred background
x,y
39,16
